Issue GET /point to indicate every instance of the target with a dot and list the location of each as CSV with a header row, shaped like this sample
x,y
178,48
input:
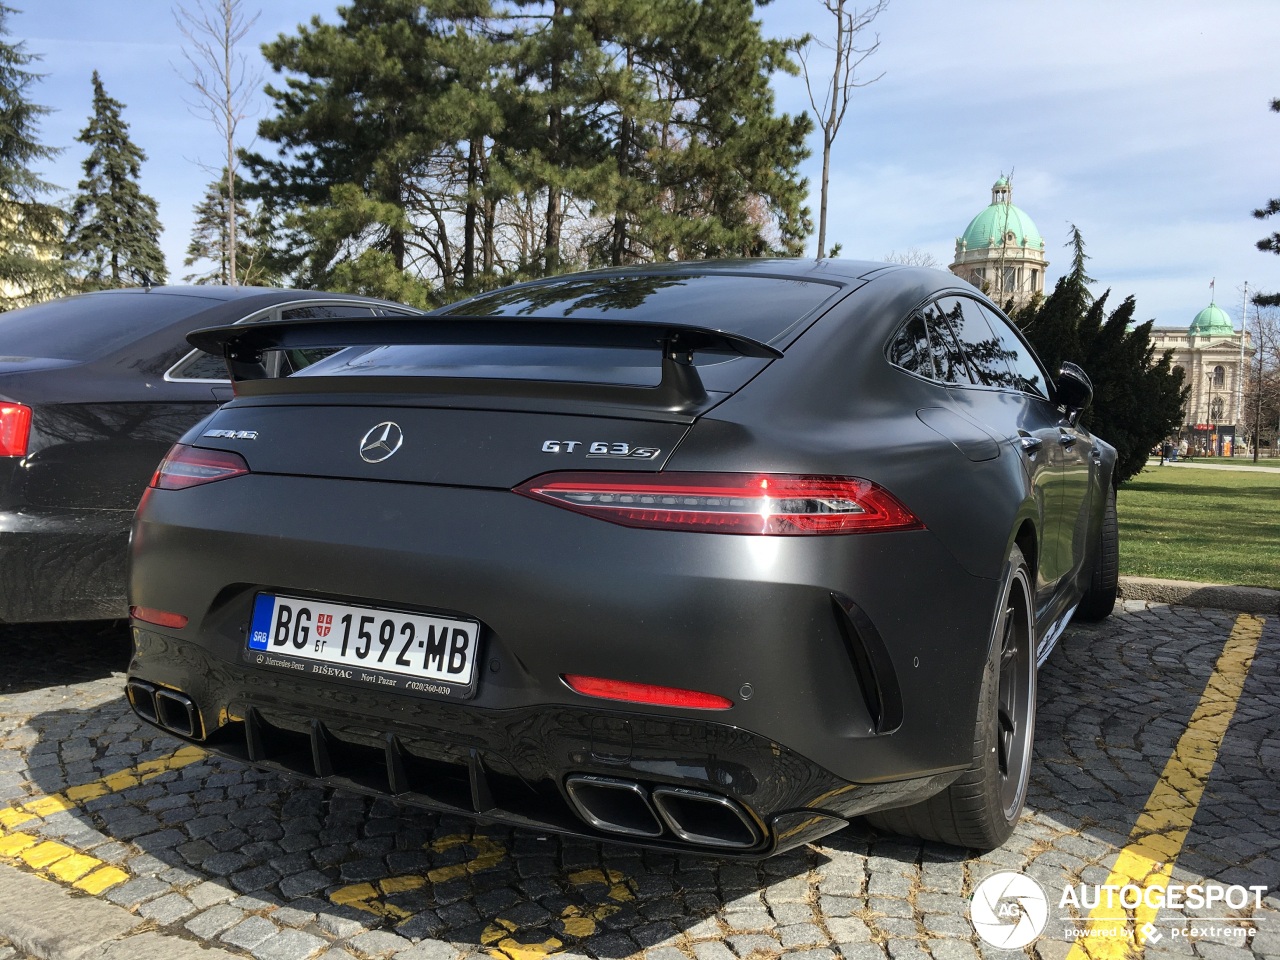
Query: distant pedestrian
x,y
1182,447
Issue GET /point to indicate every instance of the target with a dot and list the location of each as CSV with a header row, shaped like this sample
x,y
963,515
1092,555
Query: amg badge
x,y
233,434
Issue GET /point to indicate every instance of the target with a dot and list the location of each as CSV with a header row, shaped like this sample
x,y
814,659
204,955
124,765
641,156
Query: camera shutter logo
x,y
1009,910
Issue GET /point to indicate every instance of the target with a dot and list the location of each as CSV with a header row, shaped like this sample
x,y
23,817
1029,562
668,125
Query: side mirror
x,y
1074,389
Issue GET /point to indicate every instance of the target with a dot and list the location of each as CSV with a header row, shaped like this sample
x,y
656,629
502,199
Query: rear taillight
x,y
161,618
15,429
751,503
185,466
645,693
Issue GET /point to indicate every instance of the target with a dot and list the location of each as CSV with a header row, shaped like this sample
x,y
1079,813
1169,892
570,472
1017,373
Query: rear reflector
x,y
185,466
15,429
161,618
751,503
645,693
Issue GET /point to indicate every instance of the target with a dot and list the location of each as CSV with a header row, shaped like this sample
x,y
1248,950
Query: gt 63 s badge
x,y
602,449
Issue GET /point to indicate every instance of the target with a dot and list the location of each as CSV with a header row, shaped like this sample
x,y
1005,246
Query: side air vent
x,y
877,679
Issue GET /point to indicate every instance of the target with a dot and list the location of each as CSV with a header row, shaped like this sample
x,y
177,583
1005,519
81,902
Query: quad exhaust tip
x,y
629,808
615,806
167,709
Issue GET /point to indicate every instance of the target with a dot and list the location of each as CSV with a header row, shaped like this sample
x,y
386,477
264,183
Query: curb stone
x,y
42,919
1187,593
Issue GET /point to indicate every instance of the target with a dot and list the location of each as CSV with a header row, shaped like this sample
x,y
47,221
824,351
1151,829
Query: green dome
x,y
999,220
1212,322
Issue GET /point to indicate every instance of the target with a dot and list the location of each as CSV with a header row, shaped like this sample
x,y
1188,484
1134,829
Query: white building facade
x,y
1214,359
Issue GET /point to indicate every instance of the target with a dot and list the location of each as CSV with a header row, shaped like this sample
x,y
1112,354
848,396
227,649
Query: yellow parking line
x,y
58,861
370,897
1161,829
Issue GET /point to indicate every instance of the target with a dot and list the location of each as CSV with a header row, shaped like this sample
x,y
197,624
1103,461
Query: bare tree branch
x,y
224,81
834,102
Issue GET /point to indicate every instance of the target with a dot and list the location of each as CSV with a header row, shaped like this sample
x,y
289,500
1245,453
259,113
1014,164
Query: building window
x,y
1215,410
1219,375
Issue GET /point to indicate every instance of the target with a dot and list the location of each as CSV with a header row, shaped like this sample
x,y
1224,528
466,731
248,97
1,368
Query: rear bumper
x,y
63,565
852,663
620,776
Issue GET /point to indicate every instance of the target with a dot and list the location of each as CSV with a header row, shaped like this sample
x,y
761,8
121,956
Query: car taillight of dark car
x,y
15,429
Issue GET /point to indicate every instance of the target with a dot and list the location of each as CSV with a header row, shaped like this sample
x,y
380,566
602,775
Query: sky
x,y
1145,123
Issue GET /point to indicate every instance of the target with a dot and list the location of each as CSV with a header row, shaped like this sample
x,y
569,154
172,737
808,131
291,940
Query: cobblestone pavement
x,y
9,952
209,851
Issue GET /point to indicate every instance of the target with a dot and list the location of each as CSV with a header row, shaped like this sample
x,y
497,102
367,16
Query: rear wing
x,y
679,391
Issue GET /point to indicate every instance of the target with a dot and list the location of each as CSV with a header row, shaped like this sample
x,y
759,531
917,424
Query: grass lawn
x,y
1216,526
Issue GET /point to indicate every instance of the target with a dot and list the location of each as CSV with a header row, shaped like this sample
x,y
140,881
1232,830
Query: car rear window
x,y
622,367
763,308
91,326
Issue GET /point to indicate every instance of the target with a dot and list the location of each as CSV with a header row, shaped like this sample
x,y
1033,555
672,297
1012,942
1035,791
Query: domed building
x,y
1001,252
1210,352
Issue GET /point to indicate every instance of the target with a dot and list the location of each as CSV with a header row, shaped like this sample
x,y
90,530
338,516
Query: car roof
x,y
220,292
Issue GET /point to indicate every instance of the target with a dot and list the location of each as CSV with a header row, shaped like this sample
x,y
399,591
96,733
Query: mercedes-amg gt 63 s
x,y
705,556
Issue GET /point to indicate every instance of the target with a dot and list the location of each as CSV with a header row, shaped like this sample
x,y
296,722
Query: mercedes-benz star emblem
x,y
381,442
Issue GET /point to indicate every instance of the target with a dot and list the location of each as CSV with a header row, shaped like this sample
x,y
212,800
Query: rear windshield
x,y
762,308
89,327
639,368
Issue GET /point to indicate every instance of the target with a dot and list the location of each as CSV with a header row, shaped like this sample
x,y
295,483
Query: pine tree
x,y
446,146
115,229
31,229
211,241
363,146
704,167
1137,397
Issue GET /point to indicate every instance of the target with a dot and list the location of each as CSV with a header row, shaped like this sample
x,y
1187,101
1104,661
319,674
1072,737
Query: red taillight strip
x,y
747,503
161,618
15,429
185,467
645,693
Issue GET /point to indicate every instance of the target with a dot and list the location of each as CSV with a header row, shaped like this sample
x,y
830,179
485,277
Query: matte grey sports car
x,y
707,556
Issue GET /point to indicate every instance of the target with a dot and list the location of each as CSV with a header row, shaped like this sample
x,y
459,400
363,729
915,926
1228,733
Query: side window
x,y
948,358
910,349
203,366
1028,375
317,311
987,355
925,347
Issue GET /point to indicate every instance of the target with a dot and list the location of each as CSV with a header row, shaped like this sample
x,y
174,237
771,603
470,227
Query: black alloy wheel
x,y
981,808
1015,713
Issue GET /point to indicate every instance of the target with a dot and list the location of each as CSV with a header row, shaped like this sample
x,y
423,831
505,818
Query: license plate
x,y
384,648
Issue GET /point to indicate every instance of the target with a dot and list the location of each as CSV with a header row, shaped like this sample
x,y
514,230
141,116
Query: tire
x,y
1100,596
981,808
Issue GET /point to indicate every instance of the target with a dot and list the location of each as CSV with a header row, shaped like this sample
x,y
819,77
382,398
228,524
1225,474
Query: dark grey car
x,y
708,556
93,391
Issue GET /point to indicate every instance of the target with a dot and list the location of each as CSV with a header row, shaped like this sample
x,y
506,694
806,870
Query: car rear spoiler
x,y
679,391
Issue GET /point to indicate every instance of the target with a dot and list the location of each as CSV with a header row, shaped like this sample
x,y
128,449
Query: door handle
x,y
1030,444
1067,439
